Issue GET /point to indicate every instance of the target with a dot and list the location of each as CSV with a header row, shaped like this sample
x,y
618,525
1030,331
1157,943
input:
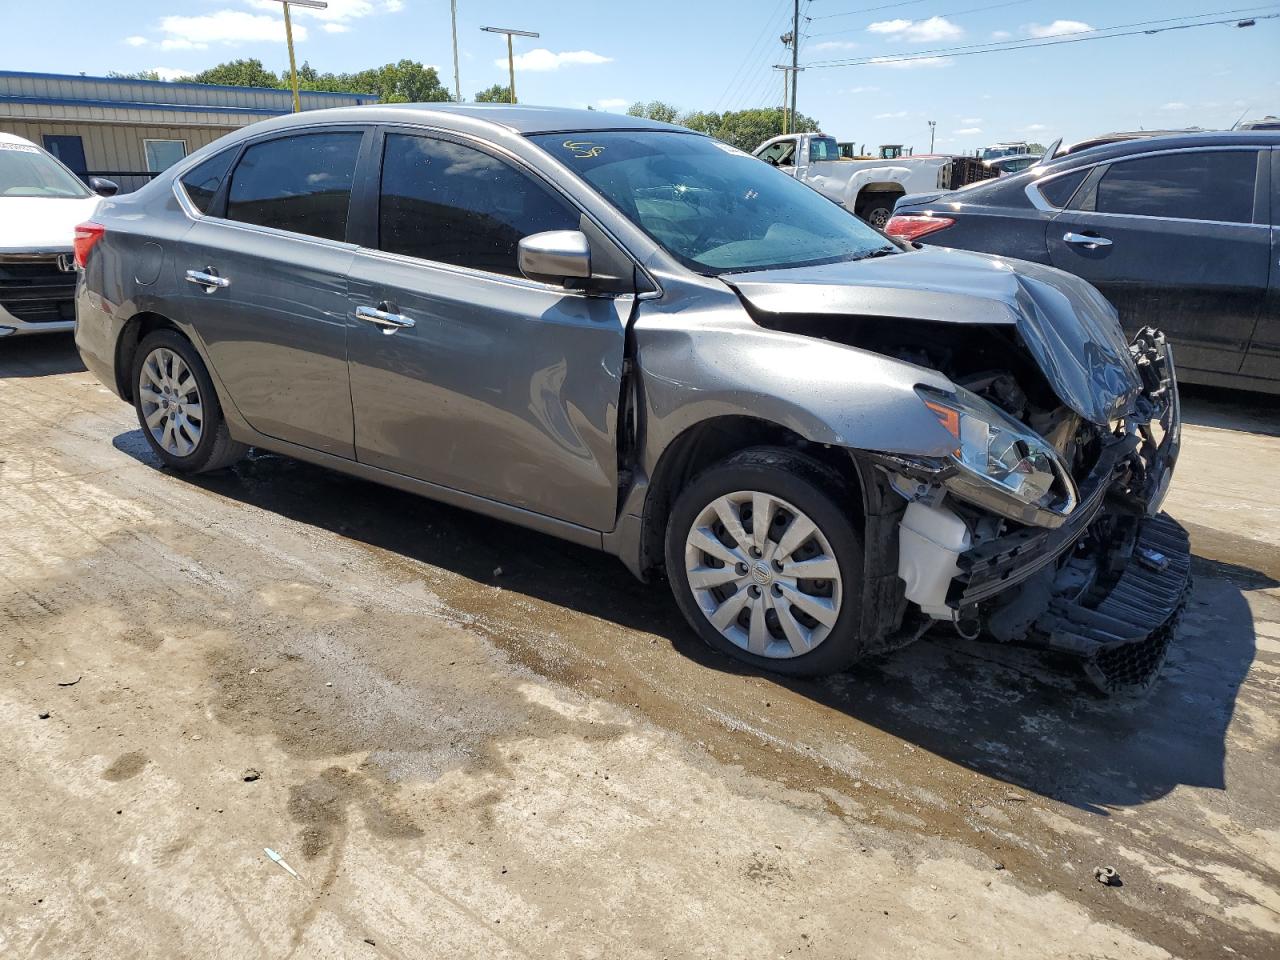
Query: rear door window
x,y
450,203
299,183
1194,185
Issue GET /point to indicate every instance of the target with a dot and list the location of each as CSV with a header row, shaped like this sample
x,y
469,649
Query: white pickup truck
x,y
867,187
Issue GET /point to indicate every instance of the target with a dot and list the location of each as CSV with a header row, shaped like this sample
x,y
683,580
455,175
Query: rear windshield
x,y
27,171
716,209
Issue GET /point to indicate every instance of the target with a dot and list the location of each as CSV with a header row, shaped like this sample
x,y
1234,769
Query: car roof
x,y
14,138
518,118
1125,148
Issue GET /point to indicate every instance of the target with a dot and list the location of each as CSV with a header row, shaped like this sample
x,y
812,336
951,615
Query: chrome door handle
x,y
1084,240
388,320
208,279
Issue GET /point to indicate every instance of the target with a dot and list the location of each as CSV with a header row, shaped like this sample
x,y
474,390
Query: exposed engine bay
x,y
1043,527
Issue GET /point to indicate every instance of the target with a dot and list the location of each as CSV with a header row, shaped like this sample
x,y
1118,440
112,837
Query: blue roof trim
x,y
148,105
354,97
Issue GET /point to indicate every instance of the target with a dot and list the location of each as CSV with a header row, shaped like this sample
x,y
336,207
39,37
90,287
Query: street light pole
x,y
511,61
933,126
288,38
457,84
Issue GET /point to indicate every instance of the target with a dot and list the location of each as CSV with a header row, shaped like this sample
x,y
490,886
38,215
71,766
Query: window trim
x,y
1041,204
369,208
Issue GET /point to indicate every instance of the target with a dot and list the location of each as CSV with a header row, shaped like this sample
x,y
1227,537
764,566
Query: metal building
x,y
130,130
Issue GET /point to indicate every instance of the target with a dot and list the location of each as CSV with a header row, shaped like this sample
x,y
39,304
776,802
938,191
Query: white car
x,y
41,201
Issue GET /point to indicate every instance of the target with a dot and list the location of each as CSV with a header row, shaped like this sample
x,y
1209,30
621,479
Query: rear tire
x,y
178,408
788,602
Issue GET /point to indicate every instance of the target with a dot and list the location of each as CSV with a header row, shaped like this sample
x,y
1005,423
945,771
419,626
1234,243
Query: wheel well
x,y
877,192
138,327
711,441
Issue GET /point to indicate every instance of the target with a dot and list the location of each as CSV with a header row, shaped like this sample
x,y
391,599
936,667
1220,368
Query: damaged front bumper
x,y
1106,583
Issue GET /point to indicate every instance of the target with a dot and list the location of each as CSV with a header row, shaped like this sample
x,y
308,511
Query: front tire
x,y
177,407
766,563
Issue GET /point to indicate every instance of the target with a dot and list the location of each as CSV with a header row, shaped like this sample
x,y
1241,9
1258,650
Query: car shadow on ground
x,y
1230,409
1022,716
43,355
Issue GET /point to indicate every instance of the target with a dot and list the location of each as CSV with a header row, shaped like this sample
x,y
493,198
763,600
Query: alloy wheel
x,y
170,401
763,574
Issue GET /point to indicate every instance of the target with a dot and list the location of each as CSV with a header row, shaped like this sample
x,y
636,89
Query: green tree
x,y
240,73
747,129
139,75
498,93
654,110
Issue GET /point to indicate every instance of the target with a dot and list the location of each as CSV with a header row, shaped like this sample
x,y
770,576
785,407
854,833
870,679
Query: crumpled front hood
x,y
31,224
1065,323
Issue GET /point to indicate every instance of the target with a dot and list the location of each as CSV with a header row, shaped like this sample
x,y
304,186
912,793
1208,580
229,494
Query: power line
x,y
1101,33
883,6
746,72
737,77
950,13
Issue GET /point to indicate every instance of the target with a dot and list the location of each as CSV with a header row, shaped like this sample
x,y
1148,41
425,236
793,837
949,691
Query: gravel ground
x,y
471,740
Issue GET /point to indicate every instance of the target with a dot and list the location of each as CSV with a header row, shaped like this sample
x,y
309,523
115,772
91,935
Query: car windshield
x,y
715,208
27,171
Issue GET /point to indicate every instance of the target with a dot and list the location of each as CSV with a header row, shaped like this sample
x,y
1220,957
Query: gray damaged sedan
x,y
637,338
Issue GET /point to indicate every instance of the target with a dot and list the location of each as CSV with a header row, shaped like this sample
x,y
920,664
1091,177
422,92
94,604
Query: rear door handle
x,y
1085,240
385,315
208,278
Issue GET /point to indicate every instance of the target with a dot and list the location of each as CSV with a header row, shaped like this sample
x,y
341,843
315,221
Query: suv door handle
x,y
385,315
208,278
1085,240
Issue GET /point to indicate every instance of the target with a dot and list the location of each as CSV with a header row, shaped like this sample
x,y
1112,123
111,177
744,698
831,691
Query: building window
x,y
162,154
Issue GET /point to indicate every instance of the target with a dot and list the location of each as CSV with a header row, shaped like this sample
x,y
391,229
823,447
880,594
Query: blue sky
x,y
709,54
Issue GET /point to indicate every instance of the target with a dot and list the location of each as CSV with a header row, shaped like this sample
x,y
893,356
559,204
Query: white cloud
x,y
919,31
910,64
1001,35
890,116
834,45
968,131
543,60
223,26
336,28
863,90
1174,105
612,103
971,121
1035,127
136,41
171,73
393,6
1057,28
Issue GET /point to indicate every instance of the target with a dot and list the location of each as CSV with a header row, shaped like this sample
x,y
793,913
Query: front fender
x,y
826,392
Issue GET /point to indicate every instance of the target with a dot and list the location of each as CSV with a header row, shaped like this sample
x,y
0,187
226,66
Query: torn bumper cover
x,y
1114,573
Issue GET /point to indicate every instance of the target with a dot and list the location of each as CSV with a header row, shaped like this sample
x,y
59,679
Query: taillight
x,y
87,234
913,228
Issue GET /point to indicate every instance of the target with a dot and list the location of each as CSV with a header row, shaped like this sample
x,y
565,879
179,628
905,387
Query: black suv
x,y
1182,232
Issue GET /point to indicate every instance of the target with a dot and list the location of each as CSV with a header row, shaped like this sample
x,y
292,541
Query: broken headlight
x,y
1003,464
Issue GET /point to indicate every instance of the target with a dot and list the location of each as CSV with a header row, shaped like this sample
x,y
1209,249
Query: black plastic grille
x,y
36,291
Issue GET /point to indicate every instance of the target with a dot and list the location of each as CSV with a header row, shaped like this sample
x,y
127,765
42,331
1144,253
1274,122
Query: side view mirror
x,y
103,187
556,256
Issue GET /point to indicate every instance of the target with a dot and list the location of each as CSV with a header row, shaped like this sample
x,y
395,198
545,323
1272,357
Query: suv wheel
x,y
178,408
766,564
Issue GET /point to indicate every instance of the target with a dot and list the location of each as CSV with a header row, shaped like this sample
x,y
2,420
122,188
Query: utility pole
x,y
788,85
511,61
933,126
786,93
457,84
288,39
795,56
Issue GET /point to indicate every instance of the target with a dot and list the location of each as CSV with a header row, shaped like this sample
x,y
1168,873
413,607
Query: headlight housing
x,y
1002,464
